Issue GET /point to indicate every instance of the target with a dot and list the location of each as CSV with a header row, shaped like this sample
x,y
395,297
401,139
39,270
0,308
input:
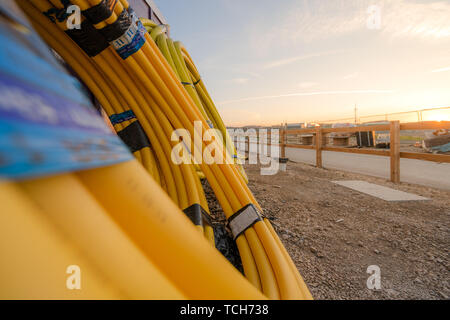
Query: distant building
x,y
148,9
295,125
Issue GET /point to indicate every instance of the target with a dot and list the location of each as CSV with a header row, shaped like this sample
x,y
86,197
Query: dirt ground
x,y
333,233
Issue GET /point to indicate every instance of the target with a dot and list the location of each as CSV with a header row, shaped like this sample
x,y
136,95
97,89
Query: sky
x,y
265,62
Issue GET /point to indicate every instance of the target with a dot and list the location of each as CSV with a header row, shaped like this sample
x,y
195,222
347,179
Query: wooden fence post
x,y
395,151
319,147
283,143
247,143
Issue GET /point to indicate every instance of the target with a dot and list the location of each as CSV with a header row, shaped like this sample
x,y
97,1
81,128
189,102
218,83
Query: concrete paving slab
x,y
381,192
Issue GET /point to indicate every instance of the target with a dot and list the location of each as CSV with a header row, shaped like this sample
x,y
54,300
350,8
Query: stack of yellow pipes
x,y
126,202
182,64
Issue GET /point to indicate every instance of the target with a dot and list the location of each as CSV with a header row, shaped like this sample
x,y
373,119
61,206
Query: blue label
x,y
121,117
22,102
131,41
47,124
30,150
43,134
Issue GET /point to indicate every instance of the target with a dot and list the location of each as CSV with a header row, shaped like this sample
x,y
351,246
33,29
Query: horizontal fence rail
x,y
394,128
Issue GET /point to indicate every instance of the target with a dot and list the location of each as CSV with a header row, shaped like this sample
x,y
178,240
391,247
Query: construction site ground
x,y
334,234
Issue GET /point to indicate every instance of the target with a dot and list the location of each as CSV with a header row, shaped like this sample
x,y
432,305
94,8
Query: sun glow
x,y
437,116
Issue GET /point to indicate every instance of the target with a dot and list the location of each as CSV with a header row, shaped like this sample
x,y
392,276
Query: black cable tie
x,y
58,14
65,3
50,14
198,215
100,12
62,15
134,137
118,28
88,39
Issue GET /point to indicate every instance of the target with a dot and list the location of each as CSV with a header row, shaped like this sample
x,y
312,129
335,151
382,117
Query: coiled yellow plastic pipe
x,y
146,83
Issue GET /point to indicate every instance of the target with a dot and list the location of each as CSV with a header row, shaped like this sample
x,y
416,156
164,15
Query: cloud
x,y
350,76
240,80
427,19
308,21
283,62
303,94
442,69
307,84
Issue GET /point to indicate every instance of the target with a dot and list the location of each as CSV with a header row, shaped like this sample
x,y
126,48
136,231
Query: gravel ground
x,y
333,233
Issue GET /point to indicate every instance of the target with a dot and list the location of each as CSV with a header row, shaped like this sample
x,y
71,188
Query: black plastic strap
x,y
65,3
118,28
100,12
88,39
58,14
50,14
198,215
243,219
134,137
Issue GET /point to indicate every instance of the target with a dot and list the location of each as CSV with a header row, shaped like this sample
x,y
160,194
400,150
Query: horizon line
x,y
301,94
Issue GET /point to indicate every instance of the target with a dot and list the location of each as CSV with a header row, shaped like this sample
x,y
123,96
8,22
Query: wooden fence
x,y
394,128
